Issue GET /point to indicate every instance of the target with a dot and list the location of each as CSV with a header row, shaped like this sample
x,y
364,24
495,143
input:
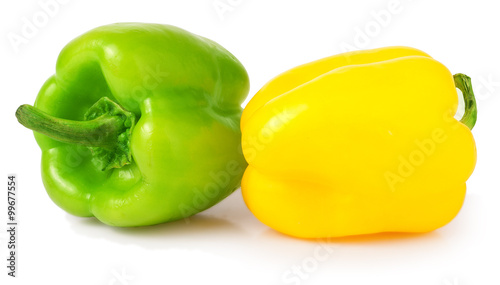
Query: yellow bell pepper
x,y
359,143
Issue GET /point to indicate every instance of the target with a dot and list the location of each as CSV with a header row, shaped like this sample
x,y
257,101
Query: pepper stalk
x,y
106,130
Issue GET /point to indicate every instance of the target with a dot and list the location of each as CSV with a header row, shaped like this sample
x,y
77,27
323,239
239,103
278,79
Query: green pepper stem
x,y
101,132
463,82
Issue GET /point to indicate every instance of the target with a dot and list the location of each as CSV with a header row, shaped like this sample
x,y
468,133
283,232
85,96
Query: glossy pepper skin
x,y
140,124
359,143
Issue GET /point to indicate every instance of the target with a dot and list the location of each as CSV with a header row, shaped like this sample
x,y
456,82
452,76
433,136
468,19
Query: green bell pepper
x,y
140,124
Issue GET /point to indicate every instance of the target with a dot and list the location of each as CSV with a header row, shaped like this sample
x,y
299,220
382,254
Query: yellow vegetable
x,y
359,143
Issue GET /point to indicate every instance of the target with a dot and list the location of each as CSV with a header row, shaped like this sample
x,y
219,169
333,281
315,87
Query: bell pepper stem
x,y
106,130
100,132
463,82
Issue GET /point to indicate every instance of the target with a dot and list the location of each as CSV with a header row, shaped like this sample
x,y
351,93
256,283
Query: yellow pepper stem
x,y
463,83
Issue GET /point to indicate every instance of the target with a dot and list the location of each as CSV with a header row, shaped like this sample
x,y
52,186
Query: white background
x,y
226,244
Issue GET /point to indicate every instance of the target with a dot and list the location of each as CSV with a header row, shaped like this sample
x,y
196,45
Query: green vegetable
x,y
140,124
